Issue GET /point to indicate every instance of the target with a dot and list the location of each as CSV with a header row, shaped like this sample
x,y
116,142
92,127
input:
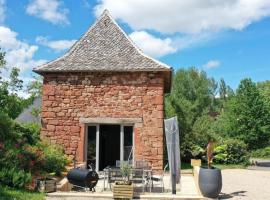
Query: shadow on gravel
x,y
231,195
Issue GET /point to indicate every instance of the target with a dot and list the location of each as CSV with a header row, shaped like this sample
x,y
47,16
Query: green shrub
x,y
6,125
261,153
231,152
237,152
22,153
54,158
14,177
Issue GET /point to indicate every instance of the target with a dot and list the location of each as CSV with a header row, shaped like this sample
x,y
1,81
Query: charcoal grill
x,y
83,178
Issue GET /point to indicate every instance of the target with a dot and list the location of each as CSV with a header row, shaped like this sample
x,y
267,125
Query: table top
x,y
114,168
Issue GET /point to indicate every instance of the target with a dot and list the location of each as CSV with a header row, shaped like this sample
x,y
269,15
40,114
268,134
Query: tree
x,y
191,98
253,117
246,116
35,87
264,88
10,102
15,84
222,89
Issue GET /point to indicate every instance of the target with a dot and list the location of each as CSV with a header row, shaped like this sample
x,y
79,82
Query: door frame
x,y
98,141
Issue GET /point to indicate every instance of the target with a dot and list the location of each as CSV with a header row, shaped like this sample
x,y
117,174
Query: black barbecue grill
x,y
83,178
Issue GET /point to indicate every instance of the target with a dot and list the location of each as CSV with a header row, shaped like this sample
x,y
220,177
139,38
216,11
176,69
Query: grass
x,y
230,166
260,158
7,193
185,165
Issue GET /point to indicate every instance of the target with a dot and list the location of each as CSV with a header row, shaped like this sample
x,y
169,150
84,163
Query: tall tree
x,y
10,102
222,89
191,98
264,88
35,87
252,116
15,84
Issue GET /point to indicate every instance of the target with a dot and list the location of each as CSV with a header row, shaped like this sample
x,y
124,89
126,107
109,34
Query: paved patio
x,y
186,190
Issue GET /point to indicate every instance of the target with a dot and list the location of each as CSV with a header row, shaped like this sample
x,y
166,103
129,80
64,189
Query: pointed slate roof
x,y
104,47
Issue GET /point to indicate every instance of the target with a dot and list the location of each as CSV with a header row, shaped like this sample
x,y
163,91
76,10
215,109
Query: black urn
x,y
210,182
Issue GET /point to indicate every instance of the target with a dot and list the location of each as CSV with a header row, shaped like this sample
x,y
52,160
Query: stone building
x,y
104,99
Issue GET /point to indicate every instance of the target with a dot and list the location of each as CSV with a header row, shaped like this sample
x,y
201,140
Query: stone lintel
x,y
106,120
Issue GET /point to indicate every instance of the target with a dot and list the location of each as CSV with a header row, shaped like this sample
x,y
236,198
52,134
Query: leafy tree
x,y
15,84
264,88
10,102
246,117
222,89
191,98
253,117
35,87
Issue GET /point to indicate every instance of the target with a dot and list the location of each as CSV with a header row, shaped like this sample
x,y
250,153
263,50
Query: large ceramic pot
x,y
210,182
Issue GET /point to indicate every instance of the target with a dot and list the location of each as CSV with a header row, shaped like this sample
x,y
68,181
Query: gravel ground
x,y
245,184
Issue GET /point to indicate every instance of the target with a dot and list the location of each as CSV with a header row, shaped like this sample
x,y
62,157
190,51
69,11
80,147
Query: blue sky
x,y
229,39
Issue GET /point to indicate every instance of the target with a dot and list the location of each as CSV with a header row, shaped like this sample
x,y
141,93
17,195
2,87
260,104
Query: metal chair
x,y
160,178
142,164
114,175
118,163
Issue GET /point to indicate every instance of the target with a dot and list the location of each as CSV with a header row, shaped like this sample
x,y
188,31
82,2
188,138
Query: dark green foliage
x,y
232,151
14,177
5,127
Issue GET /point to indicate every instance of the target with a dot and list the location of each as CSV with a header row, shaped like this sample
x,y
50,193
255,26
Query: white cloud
x,y
211,64
18,53
151,45
190,16
56,45
49,10
2,10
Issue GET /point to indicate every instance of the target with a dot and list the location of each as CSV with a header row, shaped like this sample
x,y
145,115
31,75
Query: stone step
x,y
89,196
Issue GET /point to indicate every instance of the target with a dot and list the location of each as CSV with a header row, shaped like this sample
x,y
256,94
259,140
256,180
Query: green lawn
x,y
7,193
185,165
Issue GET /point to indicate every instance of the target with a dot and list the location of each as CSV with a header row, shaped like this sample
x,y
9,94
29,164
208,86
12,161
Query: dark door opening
x,y
109,145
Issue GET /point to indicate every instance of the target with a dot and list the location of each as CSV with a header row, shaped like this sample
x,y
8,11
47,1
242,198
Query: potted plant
x,y
123,189
210,179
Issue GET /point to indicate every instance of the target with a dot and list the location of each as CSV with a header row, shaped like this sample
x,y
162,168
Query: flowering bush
x,y
23,154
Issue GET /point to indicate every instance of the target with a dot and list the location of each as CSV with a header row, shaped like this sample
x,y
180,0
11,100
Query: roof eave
x,y
40,71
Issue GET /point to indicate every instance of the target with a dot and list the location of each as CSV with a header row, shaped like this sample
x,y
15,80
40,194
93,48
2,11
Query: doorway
x,y
109,145
106,143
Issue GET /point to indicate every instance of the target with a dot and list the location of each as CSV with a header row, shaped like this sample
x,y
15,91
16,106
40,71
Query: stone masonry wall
x,y
69,97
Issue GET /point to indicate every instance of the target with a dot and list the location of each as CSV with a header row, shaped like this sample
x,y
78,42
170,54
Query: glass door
x,y
128,143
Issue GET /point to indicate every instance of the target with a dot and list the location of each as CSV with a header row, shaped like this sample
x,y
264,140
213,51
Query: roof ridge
x,y
91,60
132,42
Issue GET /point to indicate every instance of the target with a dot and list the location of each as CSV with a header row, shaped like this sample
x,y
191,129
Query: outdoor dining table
x,y
146,174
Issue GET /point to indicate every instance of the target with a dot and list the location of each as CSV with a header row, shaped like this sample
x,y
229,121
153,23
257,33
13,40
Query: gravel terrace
x,y
245,184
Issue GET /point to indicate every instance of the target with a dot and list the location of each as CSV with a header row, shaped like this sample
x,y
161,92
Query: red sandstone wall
x,y
68,97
